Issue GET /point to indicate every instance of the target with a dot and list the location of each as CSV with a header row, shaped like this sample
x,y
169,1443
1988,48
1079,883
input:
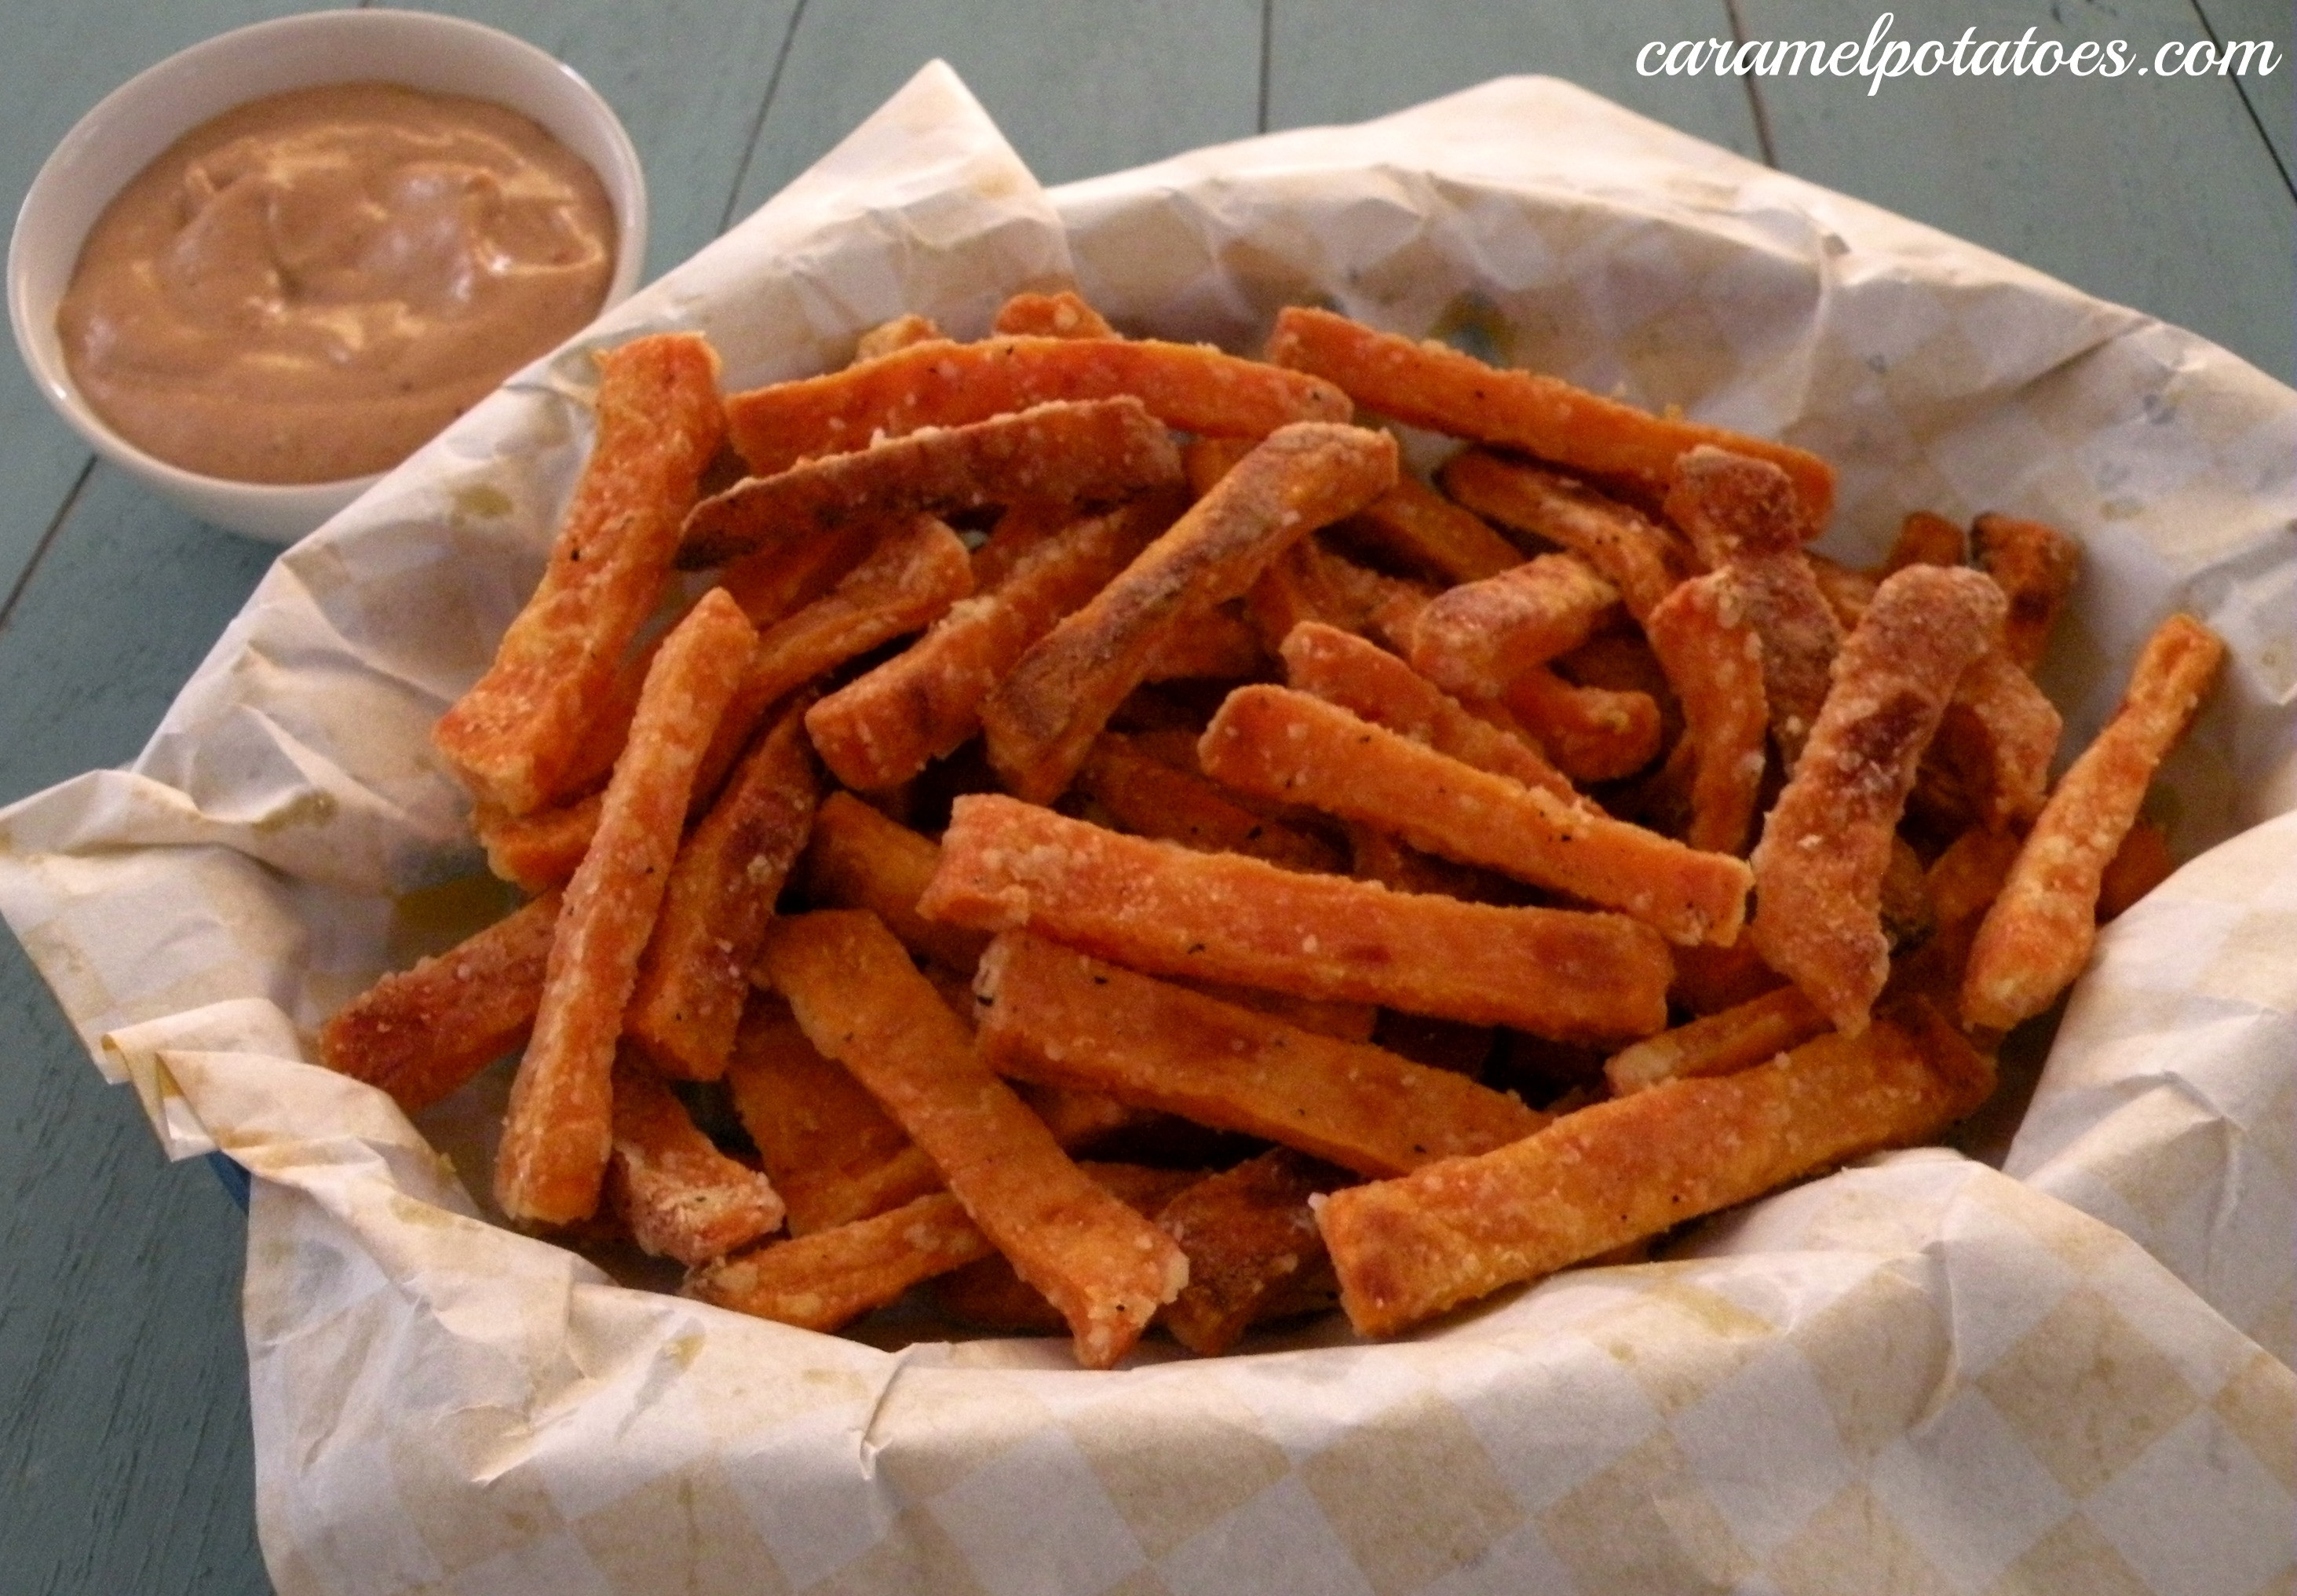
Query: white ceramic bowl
x,y
122,136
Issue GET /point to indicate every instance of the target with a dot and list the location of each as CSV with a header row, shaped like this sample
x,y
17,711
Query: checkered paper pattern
x,y
1917,1375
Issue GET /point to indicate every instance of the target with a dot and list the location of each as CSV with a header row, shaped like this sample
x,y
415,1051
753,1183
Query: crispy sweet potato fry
x,y
1044,715
1219,644
1997,739
514,735
921,704
1819,867
1282,744
2137,867
2038,936
989,1296
1050,1014
1428,385
1408,1249
859,859
1742,514
557,1134
696,972
1105,449
1206,460
860,1000
1478,637
1192,387
1158,908
1251,1241
681,1197
1592,733
902,333
540,851
1639,557
828,1278
1717,1044
420,1033
1375,685
2035,565
1713,656
774,583
1925,539
1063,315
1309,583
1149,798
1417,528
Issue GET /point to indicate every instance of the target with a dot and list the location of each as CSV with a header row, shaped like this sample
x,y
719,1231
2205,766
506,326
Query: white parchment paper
x,y
1921,1374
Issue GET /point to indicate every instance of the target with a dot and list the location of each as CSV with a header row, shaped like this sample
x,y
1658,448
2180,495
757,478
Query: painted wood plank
x,y
58,63
2272,96
1078,90
1344,60
687,79
2152,193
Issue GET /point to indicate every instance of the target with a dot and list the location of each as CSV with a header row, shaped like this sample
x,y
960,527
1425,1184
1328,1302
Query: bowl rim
x,y
615,160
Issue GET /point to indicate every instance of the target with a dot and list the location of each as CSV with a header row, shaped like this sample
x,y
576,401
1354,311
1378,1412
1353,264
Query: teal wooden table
x,y
124,1449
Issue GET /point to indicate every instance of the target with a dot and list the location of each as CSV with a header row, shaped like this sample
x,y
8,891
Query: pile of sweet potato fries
x,y
1097,745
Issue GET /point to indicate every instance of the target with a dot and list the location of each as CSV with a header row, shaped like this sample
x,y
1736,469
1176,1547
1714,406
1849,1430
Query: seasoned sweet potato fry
x,y
1415,527
1427,385
1408,1249
902,333
1717,1044
989,1296
1997,739
1375,685
1637,556
1159,907
420,1033
1819,867
1713,657
1192,387
1741,515
1308,582
1926,540
1281,744
1206,460
514,735
696,972
681,1197
1478,637
1106,449
774,583
1050,1014
1219,644
2035,565
2137,867
829,1278
1044,715
1149,798
921,704
540,851
860,1000
2039,934
1251,1239
1591,734
859,859
558,1132
1063,315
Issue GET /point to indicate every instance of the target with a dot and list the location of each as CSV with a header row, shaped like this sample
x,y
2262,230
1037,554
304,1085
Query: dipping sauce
x,y
311,285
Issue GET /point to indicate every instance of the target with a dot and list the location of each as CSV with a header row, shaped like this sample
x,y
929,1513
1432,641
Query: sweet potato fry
x,y
1713,657
860,1000
2035,565
1251,1241
1192,387
774,583
557,1134
1591,734
1637,556
1427,385
1281,744
1408,1249
1717,1044
1819,867
1049,1015
696,971
1414,527
833,1154
1149,798
1997,739
681,1197
829,1278
902,333
1206,460
1375,685
1158,908
540,851
1309,583
1219,644
1478,637
420,1033
920,706
1105,449
1742,514
1045,713
513,736
2039,934
1847,592
987,1294
1063,315
2137,867
859,859
1925,539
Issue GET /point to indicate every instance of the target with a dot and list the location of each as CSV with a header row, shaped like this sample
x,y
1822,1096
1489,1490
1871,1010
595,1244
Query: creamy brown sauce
x,y
311,285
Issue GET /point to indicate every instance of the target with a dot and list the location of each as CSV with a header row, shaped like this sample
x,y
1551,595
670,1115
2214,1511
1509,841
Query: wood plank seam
x,y
1754,90
2248,102
47,541
758,123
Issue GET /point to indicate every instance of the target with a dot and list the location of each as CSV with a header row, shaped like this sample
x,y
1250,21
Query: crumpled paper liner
x,y
1919,1374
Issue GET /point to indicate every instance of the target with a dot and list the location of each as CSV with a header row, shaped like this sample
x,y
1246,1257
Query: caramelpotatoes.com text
x,y
1881,57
